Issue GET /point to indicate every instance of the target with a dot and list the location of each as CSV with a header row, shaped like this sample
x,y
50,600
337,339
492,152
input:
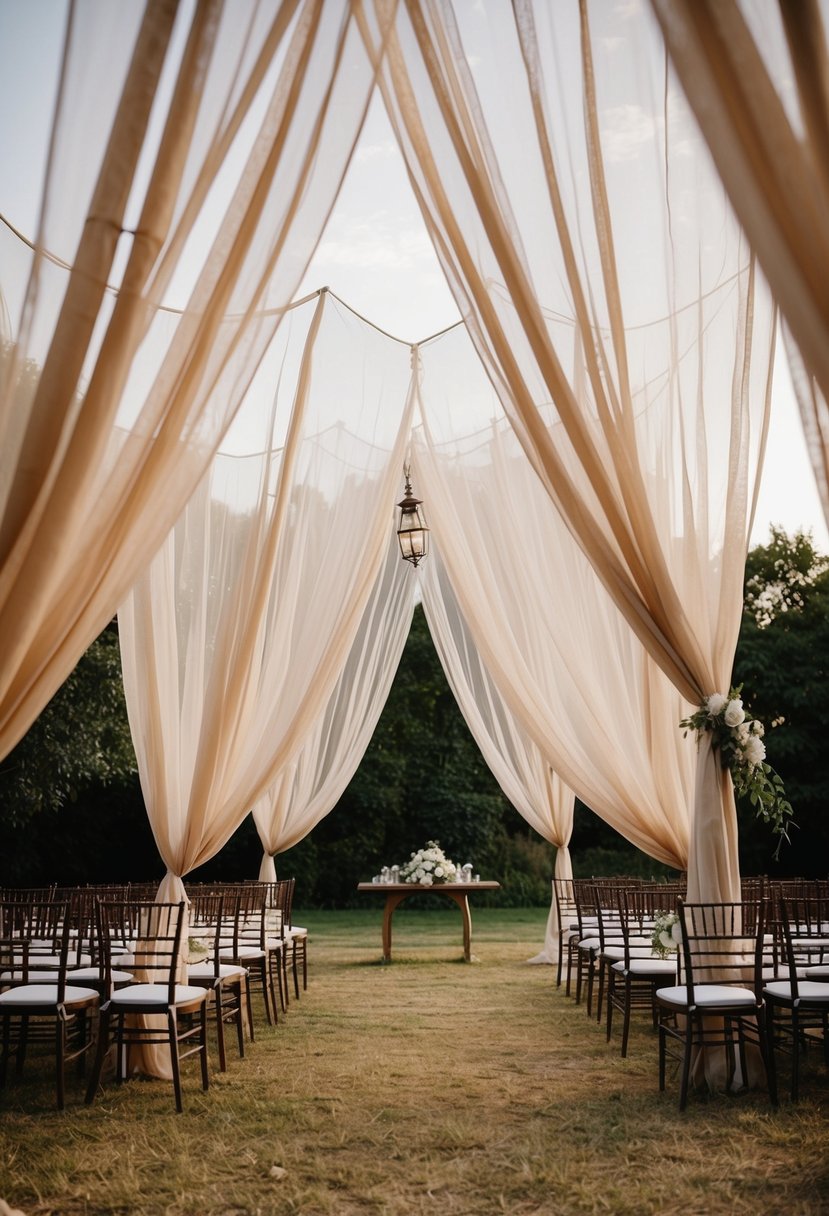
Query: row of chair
x,y
722,982
88,969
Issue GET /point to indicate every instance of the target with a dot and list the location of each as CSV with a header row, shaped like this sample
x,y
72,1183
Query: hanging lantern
x,y
412,531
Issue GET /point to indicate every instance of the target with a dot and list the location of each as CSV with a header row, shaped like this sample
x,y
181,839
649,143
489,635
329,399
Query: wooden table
x,y
396,892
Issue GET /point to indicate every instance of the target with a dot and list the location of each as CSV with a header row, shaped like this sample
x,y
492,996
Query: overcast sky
x,y
376,255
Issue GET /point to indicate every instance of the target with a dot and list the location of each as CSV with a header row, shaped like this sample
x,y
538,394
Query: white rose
x,y
734,713
715,703
676,931
438,871
666,940
755,751
428,865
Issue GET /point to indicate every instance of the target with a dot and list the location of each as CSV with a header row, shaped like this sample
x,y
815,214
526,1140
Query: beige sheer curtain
x,y
606,286
523,774
167,172
235,637
309,786
757,79
569,670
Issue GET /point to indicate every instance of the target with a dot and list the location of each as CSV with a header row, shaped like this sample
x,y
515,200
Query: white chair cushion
x,y
807,990
707,995
204,971
43,994
589,943
156,994
647,966
246,952
92,973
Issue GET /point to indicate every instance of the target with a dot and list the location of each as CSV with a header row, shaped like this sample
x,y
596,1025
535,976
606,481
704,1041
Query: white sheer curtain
x,y
309,786
168,169
570,671
608,291
235,637
756,76
523,774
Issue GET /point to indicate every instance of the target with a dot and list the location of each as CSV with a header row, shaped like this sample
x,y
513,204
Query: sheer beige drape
x,y
309,786
757,79
572,674
235,637
527,780
167,174
608,291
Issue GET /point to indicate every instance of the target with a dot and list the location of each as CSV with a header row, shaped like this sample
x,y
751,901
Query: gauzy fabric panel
x,y
311,783
235,637
517,588
155,158
757,79
525,777
608,290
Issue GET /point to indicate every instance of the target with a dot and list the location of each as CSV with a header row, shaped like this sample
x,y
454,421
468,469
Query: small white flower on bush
x,y
428,866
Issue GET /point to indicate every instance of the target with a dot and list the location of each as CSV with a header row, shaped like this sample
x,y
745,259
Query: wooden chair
x,y
717,1005
567,934
157,1009
248,947
588,943
797,1003
297,939
634,979
212,918
55,1010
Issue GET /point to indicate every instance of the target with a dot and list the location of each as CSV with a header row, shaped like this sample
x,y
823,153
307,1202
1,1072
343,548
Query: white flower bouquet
x,y
739,740
667,934
429,866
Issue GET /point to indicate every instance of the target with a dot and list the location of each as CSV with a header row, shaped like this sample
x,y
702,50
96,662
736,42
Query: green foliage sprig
x,y
667,934
742,751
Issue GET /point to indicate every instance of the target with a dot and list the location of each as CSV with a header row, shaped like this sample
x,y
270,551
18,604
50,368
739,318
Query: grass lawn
x,y
426,1086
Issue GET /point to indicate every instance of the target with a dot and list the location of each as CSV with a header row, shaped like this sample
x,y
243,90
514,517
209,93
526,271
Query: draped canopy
x,y
614,305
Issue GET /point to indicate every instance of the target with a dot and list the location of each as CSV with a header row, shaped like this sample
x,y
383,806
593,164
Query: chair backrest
x,y
804,922
39,921
724,943
610,923
155,946
584,896
45,929
14,962
206,928
565,902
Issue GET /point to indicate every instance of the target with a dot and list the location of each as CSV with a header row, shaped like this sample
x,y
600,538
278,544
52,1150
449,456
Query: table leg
x,y
392,900
460,898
